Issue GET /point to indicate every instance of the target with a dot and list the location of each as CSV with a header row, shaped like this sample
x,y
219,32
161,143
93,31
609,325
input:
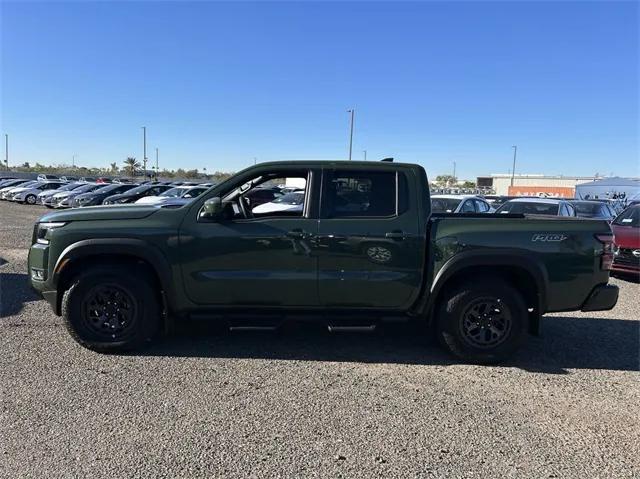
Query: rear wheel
x,y
31,199
483,321
111,309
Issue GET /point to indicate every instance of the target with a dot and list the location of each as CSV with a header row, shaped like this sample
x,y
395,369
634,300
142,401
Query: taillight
x,y
606,255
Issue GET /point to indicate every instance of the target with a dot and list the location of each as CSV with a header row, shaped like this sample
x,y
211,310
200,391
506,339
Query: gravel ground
x,y
304,403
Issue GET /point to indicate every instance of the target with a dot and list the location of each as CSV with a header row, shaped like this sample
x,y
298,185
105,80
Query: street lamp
x,y
513,170
157,169
144,149
365,154
353,112
6,150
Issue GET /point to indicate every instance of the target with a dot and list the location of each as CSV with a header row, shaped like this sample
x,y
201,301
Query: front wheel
x,y
111,309
31,199
483,321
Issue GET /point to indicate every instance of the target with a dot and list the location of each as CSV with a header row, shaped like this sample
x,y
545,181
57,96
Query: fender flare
x,y
508,257
129,247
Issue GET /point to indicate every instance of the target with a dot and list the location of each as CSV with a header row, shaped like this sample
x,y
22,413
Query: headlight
x,y
42,230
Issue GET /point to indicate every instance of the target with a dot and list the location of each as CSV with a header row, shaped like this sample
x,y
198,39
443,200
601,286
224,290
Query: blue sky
x,y
218,84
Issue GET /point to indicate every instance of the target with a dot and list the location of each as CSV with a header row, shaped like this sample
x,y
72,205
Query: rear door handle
x,y
395,235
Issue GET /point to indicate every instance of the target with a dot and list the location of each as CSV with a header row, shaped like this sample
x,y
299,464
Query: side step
x,y
363,328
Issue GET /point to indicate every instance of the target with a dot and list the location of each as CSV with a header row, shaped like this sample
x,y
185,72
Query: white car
x,y
186,192
291,202
5,192
29,194
459,204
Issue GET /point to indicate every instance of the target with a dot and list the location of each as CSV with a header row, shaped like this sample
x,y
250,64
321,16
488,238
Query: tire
x,y
123,296
30,199
483,322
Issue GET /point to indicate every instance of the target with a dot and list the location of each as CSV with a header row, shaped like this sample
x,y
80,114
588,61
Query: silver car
x,y
5,192
30,194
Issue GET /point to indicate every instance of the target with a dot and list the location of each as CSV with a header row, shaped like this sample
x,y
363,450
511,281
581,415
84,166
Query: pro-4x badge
x,y
548,237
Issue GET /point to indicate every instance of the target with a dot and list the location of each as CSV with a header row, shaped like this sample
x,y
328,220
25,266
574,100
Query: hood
x,y
626,236
19,189
150,200
94,213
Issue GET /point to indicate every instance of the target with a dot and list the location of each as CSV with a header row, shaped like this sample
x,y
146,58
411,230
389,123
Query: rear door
x,y
370,252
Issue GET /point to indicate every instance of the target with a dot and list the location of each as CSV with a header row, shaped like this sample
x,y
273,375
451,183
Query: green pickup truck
x,y
361,248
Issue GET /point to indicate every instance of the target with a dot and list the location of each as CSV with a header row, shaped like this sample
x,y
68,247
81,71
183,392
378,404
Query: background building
x,y
538,185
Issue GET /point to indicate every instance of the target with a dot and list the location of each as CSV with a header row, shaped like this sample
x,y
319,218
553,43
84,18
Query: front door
x,y
370,251
261,259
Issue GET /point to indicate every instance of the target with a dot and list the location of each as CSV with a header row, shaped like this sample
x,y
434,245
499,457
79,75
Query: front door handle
x,y
395,235
298,234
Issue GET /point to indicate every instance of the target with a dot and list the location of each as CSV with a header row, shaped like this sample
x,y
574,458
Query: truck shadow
x,y
15,291
566,343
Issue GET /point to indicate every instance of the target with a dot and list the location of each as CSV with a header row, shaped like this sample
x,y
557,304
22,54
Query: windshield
x,y
68,187
86,188
629,217
194,192
173,193
529,208
29,184
444,205
290,199
588,209
140,189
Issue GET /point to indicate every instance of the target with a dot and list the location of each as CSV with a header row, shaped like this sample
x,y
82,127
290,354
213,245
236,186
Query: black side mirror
x,y
212,209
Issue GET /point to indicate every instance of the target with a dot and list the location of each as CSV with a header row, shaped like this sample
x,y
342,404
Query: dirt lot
x,y
304,403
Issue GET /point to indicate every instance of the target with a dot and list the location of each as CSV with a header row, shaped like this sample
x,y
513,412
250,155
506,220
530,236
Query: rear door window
x,y
360,194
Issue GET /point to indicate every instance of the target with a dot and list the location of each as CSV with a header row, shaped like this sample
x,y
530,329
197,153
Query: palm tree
x,y
132,165
114,167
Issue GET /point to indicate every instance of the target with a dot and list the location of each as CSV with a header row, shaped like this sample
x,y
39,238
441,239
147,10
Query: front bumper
x,y
39,260
603,298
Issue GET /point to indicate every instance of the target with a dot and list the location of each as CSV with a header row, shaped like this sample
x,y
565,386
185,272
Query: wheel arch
x,y
113,251
524,273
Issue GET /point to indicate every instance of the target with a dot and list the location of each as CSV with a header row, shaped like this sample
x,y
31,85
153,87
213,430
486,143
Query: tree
x,y
114,167
469,184
446,180
132,165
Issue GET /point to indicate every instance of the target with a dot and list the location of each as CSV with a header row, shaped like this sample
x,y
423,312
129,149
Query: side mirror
x,y
212,208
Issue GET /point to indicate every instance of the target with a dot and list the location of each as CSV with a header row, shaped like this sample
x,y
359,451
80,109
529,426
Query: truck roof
x,y
342,163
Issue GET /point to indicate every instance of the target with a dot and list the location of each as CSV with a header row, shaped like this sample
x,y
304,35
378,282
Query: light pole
x,y
144,149
365,154
73,162
255,160
353,112
157,170
454,171
6,150
513,170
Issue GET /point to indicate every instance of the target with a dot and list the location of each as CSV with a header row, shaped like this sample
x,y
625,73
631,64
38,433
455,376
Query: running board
x,y
253,328
351,329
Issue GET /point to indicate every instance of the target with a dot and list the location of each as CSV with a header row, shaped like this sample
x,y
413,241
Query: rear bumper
x,y
603,298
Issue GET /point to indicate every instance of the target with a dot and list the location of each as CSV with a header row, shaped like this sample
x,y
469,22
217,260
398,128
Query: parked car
x,y
594,210
97,196
290,202
87,179
12,183
104,180
7,190
64,199
537,206
459,204
365,250
187,192
45,177
29,194
46,197
135,194
626,232
69,178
